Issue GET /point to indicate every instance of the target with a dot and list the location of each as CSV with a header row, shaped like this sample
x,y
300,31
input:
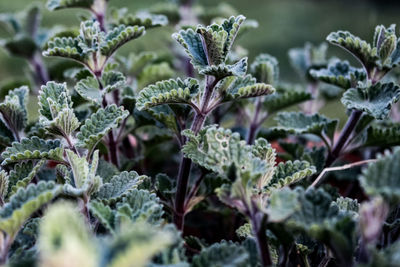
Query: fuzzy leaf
x,y
224,254
300,123
24,203
209,46
290,172
339,73
258,89
265,69
168,92
223,152
143,19
119,186
33,148
381,178
66,47
283,98
65,236
24,182
13,108
322,221
282,204
99,124
4,185
60,4
381,135
305,58
223,70
90,90
375,100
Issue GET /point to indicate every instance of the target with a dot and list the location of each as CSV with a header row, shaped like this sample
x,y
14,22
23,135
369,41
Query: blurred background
x,y
283,24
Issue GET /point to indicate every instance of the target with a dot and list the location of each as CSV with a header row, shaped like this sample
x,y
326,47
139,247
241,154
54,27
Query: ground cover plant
x,y
167,160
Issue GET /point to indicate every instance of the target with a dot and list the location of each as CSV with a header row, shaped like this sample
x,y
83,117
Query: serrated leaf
x,y
288,173
381,178
24,203
119,186
13,109
224,70
90,89
382,135
358,47
283,98
66,47
224,254
99,124
133,206
24,182
265,69
255,90
33,148
223,152
145,19
300,123
376,100
118,36
60,4
209,46
339,73
323,222
168,92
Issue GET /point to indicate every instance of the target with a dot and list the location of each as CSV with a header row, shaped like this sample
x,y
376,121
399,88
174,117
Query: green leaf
x,y
144,19
224,254
90,90
56,112
137,244
375,100
133,206
154,73
388,256
284,98
209,46
13,109
356,46
99,124
33,148
265,69
119,186
168,92
24,203
223,152
300,123
339,73
223,70
65,236
60,4
287,173
324,222
66,47
255,90
118,36
380,178
24,182
282,204
379,135
305,58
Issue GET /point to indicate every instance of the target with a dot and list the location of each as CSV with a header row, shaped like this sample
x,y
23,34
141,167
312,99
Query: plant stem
x,y
258,225
344,136
186,163
41,75
255,124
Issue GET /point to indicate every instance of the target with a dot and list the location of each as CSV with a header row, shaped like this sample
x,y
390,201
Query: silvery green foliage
x,y
13,110
377,58
92,47
375,100
387,185
339,73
